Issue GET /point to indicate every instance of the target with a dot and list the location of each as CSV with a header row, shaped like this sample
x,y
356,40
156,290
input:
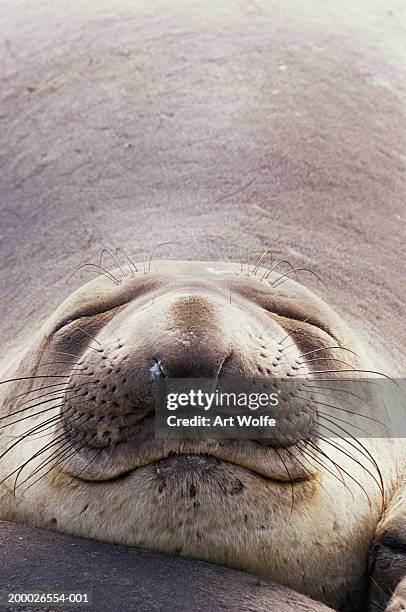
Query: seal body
x,y
79,453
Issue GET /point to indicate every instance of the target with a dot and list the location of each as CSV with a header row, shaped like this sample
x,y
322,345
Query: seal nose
x,y
193,346
191,364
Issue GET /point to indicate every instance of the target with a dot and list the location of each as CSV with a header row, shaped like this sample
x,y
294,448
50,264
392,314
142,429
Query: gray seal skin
x,y
79,453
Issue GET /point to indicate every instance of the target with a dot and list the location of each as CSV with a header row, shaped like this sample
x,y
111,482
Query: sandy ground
x,y
219,125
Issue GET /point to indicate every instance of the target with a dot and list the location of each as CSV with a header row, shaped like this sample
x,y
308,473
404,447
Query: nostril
x,y
156,370
190,366
224,365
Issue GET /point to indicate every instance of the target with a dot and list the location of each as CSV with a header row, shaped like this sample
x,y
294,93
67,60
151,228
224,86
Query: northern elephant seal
x,y
249,122
78,439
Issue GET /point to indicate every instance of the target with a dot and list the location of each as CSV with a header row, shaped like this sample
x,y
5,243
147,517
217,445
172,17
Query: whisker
x,y
52,399
328,441
379,482
93,348
376,605
29,416
63,389
3,382
47,460
113,451
40,427
328,348
280,280
325,348
50,363
324,467
154,251
22,437
70,354
346,410
101,270
90,336
113,258
9,400
58,462
42,411
365,452
324,416
53,466
317,452
295,329
257,265
362,399
7,416
267,274
16,470
357,370
290,480
129,261
305,455
62,419
335,465
335,397
325,359
44,449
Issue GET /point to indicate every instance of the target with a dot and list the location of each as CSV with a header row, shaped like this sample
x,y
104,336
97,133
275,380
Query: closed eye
x,y
309,324
105,302
67,322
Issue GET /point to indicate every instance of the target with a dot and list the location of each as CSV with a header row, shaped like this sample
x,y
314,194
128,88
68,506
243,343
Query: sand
x,y
218,125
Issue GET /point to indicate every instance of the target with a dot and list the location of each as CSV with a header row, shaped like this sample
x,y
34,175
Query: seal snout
x,y
180,334
189,339
192,345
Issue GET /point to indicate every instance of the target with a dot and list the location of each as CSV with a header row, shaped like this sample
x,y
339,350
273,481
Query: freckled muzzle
x,y
111,394
102,403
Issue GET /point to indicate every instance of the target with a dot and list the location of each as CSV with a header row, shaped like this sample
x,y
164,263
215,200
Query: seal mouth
x,y
198,460
280,464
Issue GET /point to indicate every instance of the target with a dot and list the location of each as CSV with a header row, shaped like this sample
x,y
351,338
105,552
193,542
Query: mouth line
x,y
277,464
288,482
